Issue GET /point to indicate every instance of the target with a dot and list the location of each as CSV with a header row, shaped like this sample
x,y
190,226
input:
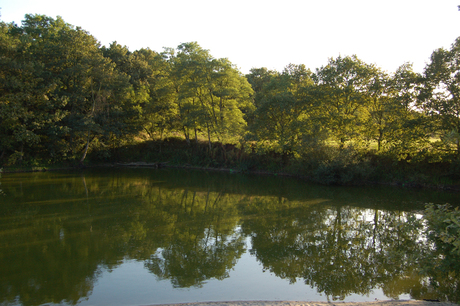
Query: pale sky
x,y
272,34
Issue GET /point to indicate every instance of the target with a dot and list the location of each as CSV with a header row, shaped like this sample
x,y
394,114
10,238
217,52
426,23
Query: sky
x,y
272,34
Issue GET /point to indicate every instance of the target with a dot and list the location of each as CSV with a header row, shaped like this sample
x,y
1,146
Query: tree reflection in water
x,y
59,231
339,250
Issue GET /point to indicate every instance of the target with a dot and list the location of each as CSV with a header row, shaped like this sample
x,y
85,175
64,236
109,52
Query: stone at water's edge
x,y
300,303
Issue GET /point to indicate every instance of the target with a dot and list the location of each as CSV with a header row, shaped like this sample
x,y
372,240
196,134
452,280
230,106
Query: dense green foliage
x,y
443,262
445,228
63,96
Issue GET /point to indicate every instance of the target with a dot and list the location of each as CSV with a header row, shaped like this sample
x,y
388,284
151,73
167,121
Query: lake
x,y
150,236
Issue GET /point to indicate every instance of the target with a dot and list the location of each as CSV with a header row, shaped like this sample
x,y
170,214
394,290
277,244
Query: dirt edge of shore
x,y
303,303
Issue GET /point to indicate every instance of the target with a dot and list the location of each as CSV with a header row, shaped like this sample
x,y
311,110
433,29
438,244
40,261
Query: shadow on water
x,y
59,230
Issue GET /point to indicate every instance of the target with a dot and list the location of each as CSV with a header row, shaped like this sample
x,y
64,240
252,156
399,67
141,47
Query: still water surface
x,y
148,236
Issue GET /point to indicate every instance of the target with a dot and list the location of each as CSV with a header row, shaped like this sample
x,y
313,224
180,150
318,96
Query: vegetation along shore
x,y
65,100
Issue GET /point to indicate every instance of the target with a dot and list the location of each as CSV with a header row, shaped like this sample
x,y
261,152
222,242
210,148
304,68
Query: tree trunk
x,y
86,149
342,143
22,153
148,133
379,141
187,136
209,138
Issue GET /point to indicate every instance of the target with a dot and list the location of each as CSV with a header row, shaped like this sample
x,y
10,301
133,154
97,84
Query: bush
x,y
444,227
332,165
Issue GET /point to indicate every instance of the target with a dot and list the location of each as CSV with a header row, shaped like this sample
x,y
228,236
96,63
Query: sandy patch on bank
x,y
298,303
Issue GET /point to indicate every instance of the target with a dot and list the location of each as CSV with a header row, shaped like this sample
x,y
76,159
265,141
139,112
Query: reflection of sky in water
x,y
136,286
60,241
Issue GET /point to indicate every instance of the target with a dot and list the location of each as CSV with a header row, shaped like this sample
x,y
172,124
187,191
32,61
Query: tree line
x,y
63,95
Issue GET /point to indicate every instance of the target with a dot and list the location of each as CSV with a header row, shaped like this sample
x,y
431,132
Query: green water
x,y
146,236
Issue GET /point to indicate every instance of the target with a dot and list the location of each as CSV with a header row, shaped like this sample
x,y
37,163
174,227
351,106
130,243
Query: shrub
x,y
444,227
332,165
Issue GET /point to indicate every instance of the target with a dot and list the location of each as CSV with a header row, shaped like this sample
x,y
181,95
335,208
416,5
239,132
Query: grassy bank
x,y
324,164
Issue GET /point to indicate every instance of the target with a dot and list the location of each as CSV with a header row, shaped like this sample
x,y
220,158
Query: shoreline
x,y
305,303
165,165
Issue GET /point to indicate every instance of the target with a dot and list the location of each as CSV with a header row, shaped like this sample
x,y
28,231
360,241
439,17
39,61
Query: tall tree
x,y
259,78
440,97
211,93
28,116
160,113
407,131
280,115
148,75
341,95
86,86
